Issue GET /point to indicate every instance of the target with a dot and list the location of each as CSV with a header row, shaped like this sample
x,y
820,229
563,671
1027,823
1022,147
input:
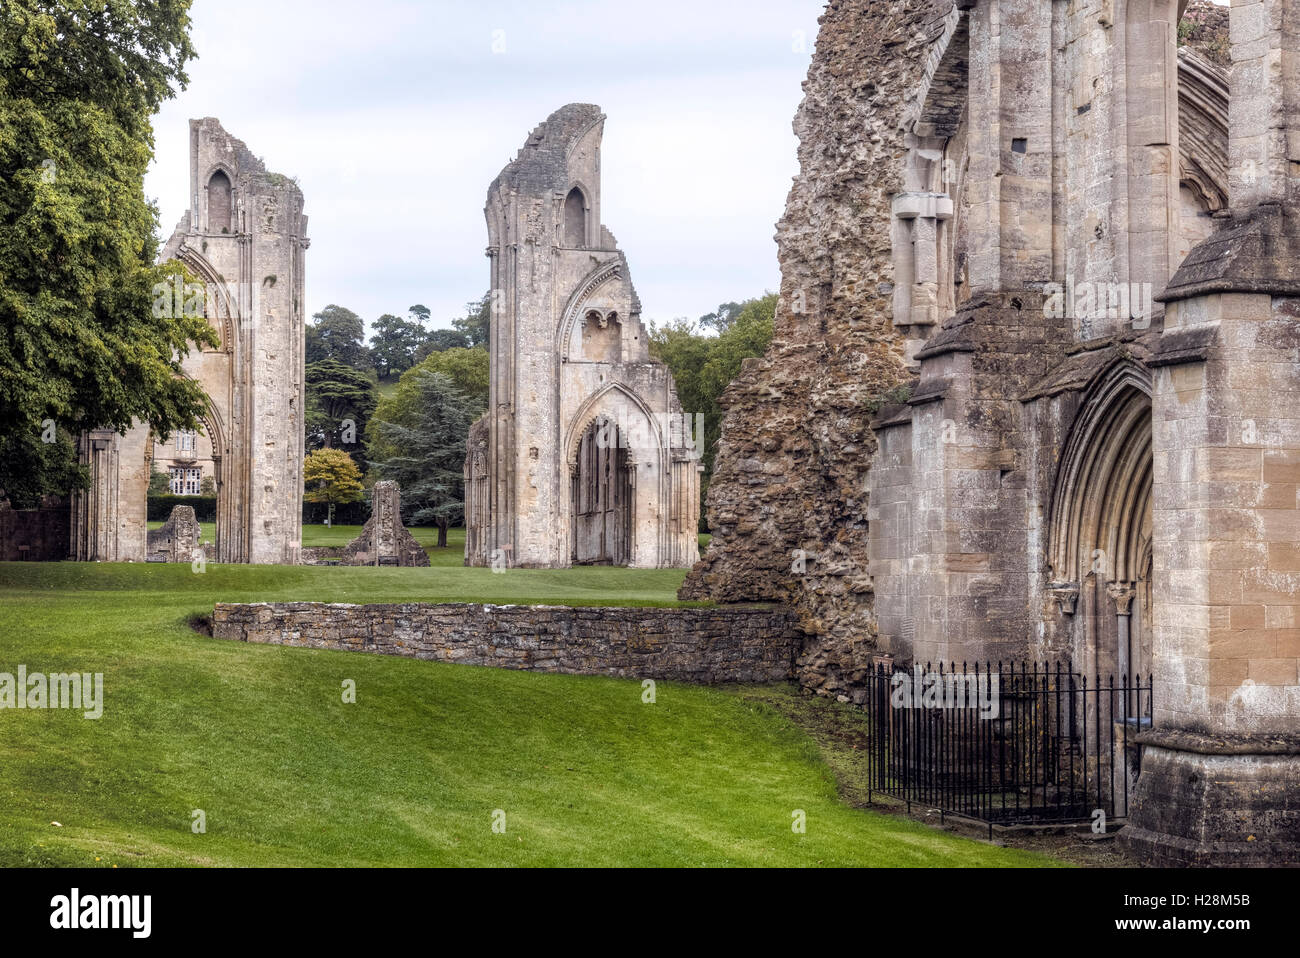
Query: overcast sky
x,y
395,115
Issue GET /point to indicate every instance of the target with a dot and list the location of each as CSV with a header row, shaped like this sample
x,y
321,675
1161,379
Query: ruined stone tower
x,y
584,455
244,238
1035,380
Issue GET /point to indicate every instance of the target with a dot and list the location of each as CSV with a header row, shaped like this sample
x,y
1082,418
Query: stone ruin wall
x,y
788,502
177,539
706,646
793,462
383,540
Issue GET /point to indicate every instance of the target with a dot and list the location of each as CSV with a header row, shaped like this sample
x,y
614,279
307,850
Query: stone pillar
x,y
1220,782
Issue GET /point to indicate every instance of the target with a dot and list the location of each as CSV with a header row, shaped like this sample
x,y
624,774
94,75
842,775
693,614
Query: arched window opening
x,y
602,337
219,203
1101,537
575,219
602,479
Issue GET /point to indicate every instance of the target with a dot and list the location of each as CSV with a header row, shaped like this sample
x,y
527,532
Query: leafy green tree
x,y
418,439
468,371
438,340
31,470
704,365
722,317
330,475
338,333
394,345
337,395
160,483
476,324
81,345
420,314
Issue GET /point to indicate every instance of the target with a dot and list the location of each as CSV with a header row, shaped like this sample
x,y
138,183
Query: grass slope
x,y
259,738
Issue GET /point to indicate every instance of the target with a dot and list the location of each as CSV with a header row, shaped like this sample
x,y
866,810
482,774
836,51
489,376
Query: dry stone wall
x,y
701,645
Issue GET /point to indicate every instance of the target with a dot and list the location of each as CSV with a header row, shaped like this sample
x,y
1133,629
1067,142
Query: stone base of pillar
x,y
1216,801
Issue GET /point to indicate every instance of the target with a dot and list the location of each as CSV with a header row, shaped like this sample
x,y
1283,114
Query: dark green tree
x,y
440,340
721,318
421,445
394,344
476,324
81,344
704,365
340,402
338,333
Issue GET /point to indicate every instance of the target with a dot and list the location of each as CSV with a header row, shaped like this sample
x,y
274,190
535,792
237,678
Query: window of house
x,y
186,480
185,442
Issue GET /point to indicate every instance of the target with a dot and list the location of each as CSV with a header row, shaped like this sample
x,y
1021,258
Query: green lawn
x,y
287,774
321,536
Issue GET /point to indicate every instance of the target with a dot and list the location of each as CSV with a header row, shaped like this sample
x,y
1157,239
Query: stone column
x,y
1220,782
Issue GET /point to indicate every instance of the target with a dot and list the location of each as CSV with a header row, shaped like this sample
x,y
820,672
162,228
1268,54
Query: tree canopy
x,y
417,438
336,396
338,333
331,476
81,344
704,365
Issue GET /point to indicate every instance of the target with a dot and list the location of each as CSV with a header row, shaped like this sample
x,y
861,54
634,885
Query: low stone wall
x,y
701,645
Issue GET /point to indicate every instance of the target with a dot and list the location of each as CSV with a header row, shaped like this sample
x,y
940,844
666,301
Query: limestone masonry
x,y
244,239
1034,391
383,540
689,645
584,456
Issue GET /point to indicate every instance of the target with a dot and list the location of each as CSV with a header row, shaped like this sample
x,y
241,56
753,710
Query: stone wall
x,y
384,540
177,539
702,645
796,448
34,535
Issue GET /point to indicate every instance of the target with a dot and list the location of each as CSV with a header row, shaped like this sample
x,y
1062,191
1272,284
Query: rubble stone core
x,y
584,456
1033,386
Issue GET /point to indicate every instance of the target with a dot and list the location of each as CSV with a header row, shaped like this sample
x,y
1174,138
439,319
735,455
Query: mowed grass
x,y
286,773
323,536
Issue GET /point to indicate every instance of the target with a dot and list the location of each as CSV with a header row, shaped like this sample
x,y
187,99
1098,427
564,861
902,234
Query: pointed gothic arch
x,y
1100,543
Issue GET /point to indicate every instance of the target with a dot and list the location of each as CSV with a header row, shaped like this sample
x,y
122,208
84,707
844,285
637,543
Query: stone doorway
x,y
602,478
1102,529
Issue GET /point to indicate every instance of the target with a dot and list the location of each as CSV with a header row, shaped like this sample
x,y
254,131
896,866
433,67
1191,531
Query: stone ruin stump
x,y
178,538
383,539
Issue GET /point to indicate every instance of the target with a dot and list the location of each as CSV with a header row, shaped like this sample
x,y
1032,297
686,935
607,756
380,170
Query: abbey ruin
x,y
1034,387
584,455
1033,396
243,240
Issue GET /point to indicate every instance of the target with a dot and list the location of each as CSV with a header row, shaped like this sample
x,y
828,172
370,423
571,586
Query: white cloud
x,y
395,116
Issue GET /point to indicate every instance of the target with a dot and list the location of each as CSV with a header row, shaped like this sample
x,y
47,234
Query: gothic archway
x,y
603,479
1101,541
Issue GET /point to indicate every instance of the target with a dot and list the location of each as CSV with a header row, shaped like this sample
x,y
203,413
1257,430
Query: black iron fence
x,y
1008,745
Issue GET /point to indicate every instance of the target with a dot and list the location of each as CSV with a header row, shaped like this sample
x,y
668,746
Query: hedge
x,y
160,507
205,510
